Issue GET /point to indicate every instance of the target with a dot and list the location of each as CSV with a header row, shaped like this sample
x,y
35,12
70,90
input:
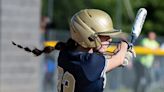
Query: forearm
x,y
117,59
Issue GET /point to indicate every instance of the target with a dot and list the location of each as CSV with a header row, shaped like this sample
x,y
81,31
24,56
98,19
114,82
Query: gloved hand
x,y
130,45
130,54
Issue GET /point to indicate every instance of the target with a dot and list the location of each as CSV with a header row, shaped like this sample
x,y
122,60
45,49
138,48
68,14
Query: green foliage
x,y
64,10
117,9
44,7
155,20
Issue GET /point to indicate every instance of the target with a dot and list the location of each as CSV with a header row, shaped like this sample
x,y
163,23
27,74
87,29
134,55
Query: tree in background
x,y
122,12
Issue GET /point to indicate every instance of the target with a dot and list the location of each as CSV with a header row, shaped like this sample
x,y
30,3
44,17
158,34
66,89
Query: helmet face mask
x,y
87,24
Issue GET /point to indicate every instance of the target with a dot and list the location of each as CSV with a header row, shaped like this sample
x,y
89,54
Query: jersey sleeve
x,y
92,65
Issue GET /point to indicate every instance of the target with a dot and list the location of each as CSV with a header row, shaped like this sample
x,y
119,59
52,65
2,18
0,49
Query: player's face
x,y
105,42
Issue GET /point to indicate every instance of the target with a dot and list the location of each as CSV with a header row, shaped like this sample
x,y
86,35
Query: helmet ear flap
x,y
95,40
90,39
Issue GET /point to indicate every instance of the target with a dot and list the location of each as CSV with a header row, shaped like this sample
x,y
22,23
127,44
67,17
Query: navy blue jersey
x,y
80,71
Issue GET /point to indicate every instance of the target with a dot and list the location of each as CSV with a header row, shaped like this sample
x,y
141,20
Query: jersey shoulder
x,y
92,65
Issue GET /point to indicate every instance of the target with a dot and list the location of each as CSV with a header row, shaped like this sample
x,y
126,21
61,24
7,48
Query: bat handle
x,y
133,39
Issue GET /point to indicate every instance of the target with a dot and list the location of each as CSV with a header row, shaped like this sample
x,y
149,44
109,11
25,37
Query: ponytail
x,y
69,45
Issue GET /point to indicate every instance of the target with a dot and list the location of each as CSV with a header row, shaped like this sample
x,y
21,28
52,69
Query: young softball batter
x,y
83,61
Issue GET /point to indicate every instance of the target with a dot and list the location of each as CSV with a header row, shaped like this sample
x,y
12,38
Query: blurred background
x,y
35,22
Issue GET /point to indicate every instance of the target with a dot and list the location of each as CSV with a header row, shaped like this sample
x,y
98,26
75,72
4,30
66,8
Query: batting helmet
x,y
87,24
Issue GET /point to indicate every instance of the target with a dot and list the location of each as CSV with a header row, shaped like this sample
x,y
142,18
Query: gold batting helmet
x,y
87,24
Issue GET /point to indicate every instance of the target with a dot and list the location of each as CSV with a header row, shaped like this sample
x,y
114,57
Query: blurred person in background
x,y
46,25
43,27
144,64
50,66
